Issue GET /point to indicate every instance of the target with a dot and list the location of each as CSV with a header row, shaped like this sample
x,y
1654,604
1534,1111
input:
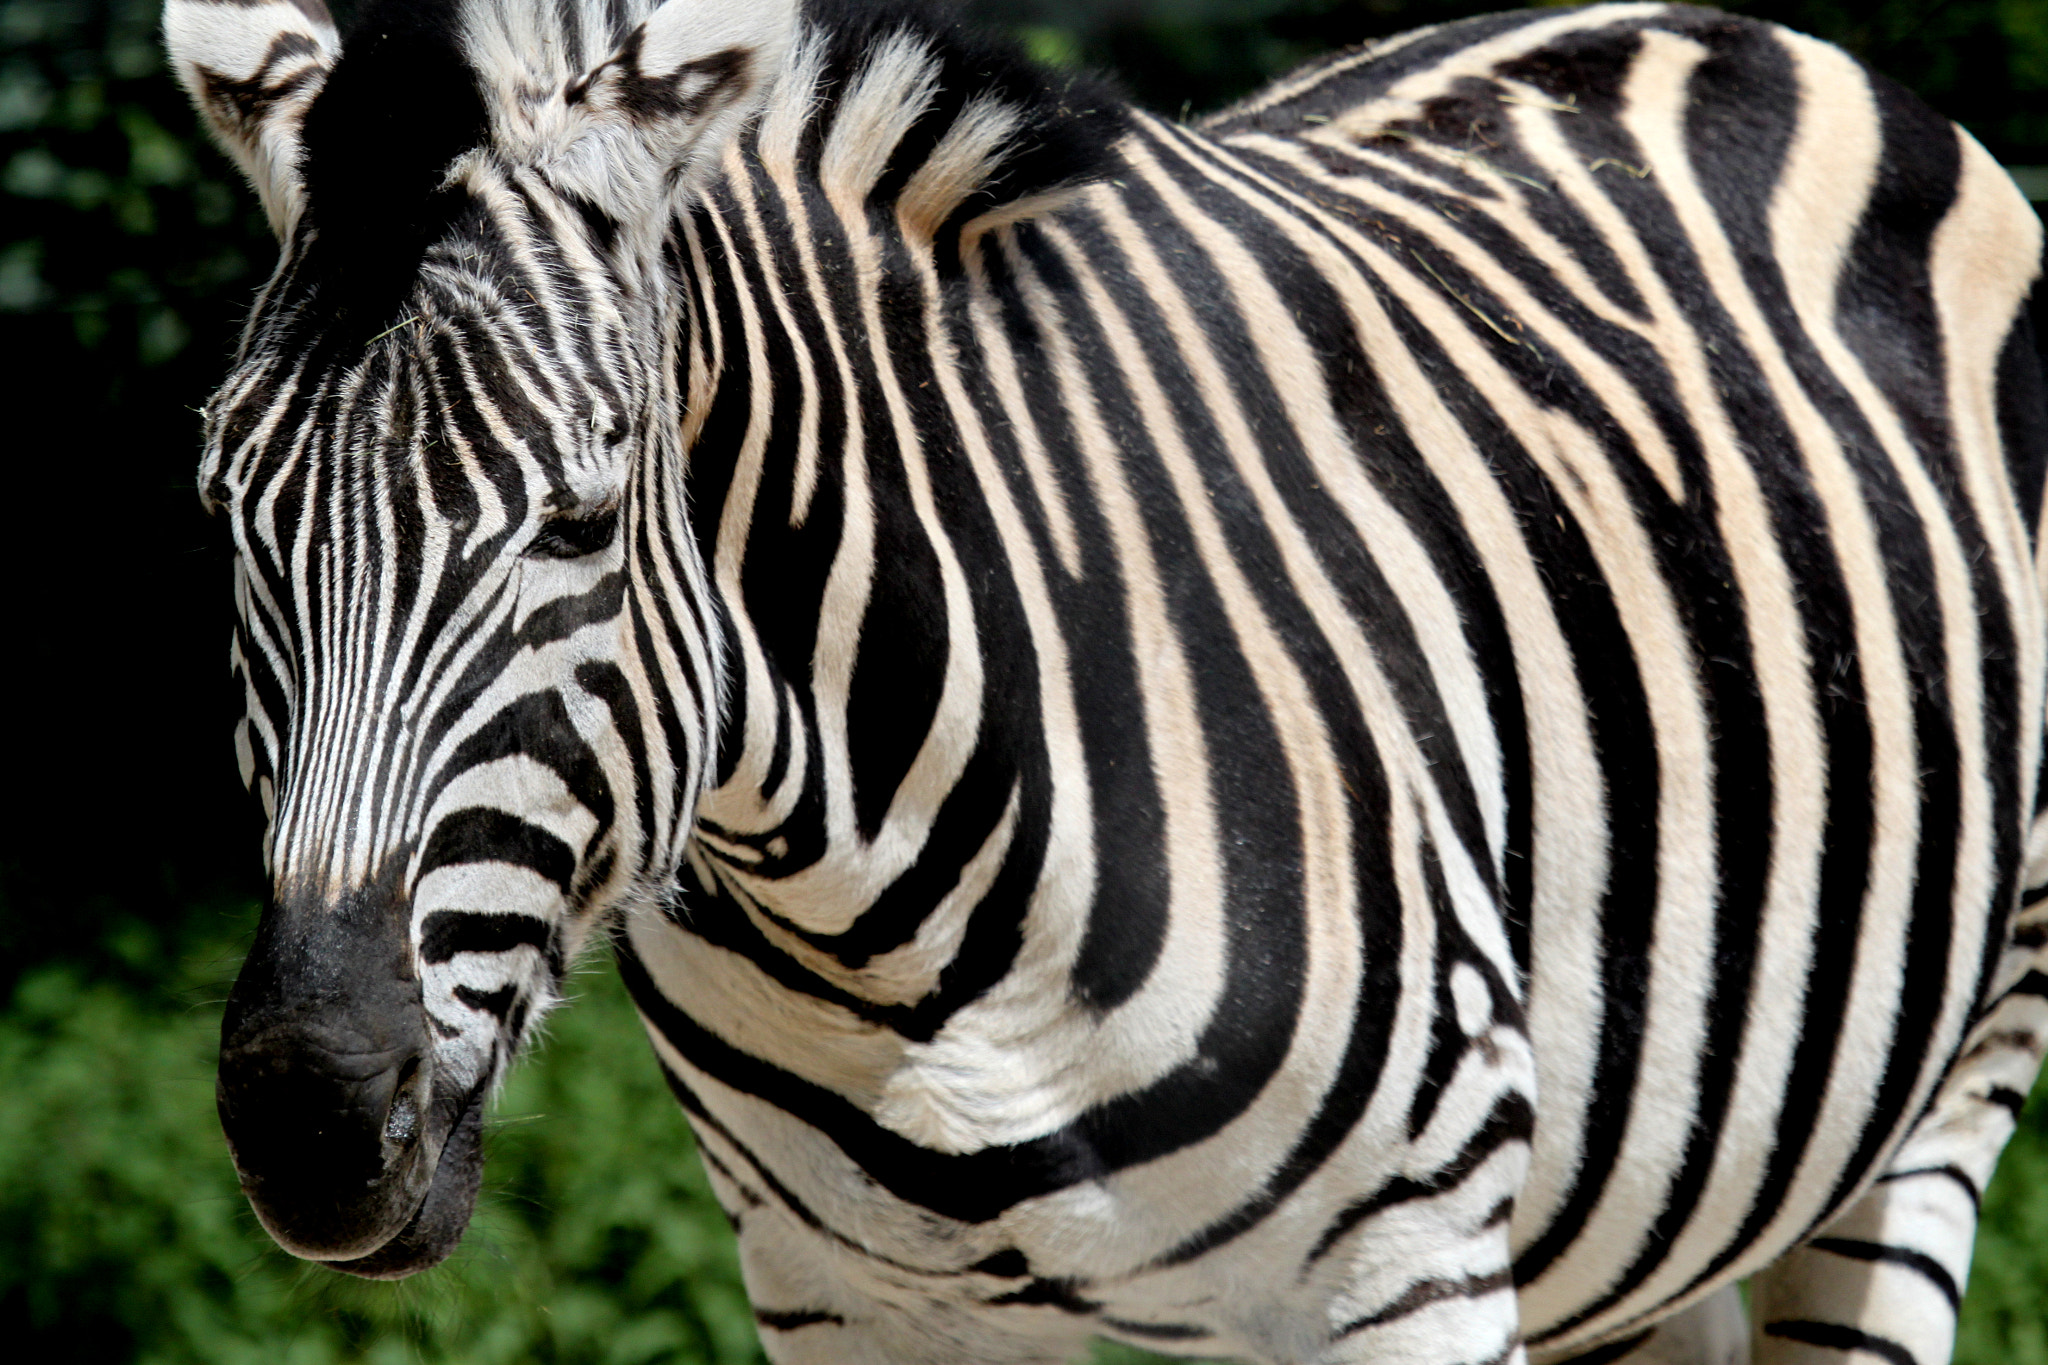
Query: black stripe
x,y
445,933
1512,1120
1919,1262
790,1321
484,834
1423,1293
2034,983
1837,1337
1613,1351
1156,1331
1952,1173
497,1002
1185,1106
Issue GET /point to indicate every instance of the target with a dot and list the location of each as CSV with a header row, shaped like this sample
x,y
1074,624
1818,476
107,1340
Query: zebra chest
x,y
1023,1058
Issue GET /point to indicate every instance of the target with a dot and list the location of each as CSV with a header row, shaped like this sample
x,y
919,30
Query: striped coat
x,y
1401,725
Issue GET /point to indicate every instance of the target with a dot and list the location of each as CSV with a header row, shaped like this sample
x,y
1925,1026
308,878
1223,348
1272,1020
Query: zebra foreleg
x,y
814,1309
1885,1279
1714,1331
821,1302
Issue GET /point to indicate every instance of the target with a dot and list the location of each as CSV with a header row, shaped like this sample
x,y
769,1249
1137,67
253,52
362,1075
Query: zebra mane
x,y
949,123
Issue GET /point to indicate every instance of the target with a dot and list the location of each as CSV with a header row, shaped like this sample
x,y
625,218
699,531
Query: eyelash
x,y
572,537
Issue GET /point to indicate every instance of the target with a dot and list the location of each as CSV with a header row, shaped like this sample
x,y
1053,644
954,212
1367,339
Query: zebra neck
x,y
868,804
874,820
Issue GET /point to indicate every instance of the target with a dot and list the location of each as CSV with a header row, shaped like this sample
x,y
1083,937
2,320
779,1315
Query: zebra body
x,y
1398,724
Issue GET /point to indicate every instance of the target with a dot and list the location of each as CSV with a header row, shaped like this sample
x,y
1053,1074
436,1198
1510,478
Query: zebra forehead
x,y
400,106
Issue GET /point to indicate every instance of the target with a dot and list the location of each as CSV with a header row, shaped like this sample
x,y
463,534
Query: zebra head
x,y
445,449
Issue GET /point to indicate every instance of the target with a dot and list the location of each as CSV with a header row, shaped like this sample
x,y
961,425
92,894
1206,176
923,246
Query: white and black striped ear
x,y
252,68
669,99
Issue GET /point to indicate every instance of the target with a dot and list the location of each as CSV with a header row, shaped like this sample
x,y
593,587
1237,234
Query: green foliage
x,y
118,220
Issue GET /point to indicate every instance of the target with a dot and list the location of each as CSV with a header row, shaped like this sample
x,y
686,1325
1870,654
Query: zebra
x,y
1402,724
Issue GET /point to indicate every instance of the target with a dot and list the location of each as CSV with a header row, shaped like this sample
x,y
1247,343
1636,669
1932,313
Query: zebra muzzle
x,y
349,1151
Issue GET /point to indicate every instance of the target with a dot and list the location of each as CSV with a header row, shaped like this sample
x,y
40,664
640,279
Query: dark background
x,y
128,858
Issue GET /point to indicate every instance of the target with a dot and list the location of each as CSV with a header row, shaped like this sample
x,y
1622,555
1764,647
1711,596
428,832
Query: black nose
x,y
326,1077
325,1122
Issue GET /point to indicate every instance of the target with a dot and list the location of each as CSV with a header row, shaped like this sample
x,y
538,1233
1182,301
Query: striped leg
x,y
1885,1279
1456,1304
1714,1331
816,1303
808,1314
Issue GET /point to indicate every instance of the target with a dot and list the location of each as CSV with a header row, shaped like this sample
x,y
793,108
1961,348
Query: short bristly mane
x,y
951,124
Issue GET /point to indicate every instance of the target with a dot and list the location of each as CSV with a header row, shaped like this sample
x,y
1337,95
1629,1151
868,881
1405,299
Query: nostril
x,y
402,1123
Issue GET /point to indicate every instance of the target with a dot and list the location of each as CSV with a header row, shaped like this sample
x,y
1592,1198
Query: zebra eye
x,y
571,537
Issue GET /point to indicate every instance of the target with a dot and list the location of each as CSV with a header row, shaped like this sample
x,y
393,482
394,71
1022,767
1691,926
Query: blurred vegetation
x,y
123,1236
128,249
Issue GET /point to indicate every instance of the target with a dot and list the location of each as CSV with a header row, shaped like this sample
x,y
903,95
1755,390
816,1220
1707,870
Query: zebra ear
x,y
252,68
667,102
